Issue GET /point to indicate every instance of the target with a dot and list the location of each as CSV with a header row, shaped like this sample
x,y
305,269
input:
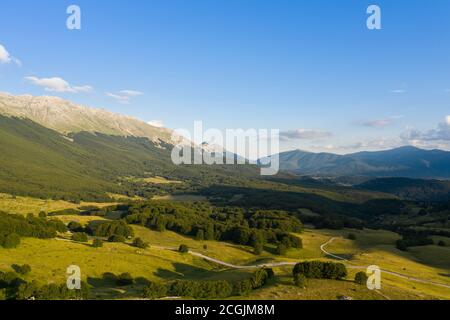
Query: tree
x,y
27,291
242,288
258,248
300,280
22,269
42,214
75,226
116,238
2,294
80,237
361,278
139,243
320,270
124,279
442,243
351,236
200,235
281,249
155,290
183,248
9,241
97,243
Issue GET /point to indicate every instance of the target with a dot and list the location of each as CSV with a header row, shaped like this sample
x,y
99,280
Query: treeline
x,y
413,238
320,270
116,228
205,222
12,227
208,289
15,288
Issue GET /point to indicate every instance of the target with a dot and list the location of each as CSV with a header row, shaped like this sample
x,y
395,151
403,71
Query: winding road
x,y
393,273
290,263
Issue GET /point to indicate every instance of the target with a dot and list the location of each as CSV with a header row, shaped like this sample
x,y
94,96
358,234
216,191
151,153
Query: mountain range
x,y
50,147
408,161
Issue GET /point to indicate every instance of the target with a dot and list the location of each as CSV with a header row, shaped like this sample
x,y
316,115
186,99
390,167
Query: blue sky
x,y
309,68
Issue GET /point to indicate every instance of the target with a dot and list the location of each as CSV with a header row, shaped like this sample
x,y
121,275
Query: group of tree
x,y
208,289
413,238
205,222
13,227
15,288
320,270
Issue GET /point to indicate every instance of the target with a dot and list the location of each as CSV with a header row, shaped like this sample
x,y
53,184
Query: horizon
x,y
361,90
251,159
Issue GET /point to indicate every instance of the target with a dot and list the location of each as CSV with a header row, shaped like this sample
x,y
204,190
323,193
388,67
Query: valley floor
x,y
49,260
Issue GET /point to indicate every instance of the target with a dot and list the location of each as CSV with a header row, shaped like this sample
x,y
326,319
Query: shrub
x,y
201,289
155,290
116,238
9,241
351,236
97,243
139,243
260,277
361,278
300,280
75,226
183,248
124,279
258,248
2,294
281,249
22,269
80,237
243,288
200,235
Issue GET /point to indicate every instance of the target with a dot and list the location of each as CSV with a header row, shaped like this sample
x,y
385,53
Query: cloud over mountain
x,y
304,134
57,84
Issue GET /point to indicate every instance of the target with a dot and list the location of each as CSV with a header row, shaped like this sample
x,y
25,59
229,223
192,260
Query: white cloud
x,y
304,134
57,84
380,123
5,57
131,93
124,96
434,138
156,123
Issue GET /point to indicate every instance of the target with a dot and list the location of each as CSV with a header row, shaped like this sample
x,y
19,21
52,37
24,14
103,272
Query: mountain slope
x,y
401,162
66,117
410,189
40,162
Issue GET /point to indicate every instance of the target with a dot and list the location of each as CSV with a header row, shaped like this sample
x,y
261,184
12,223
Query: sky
x,y
311,69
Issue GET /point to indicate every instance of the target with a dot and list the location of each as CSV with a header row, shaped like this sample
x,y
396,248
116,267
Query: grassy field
x,y
377,247
152,180
49,260
181,198
25,205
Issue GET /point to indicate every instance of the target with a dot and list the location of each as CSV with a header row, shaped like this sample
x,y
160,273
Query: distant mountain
x,y
50,147
406,161
66,117
410,189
